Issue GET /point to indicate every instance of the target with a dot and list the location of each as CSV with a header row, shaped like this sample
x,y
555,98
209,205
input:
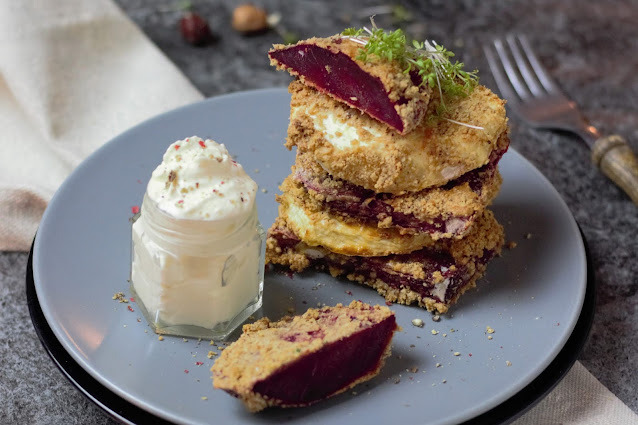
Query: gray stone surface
x,y
588,46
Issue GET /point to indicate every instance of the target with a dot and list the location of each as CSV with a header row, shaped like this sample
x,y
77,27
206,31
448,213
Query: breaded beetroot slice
x,y
433,277
301,360
377,87
444,212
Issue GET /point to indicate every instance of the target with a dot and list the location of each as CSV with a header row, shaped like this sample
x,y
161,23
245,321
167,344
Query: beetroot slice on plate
x,y
378,88
323,373
301,360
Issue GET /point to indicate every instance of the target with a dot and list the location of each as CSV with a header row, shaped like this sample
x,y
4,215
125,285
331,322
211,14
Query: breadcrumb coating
x,y
467,254
381,160
458,202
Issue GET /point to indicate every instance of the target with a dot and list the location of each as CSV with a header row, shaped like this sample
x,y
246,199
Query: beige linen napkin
x,y
579,399
74,74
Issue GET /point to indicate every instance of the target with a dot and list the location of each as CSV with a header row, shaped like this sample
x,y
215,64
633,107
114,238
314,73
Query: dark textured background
x,y
588,46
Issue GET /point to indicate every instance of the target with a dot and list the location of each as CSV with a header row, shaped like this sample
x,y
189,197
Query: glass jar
x,y
196,278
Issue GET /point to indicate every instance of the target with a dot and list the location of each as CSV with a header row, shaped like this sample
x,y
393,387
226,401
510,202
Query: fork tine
x,y
542,75
497,72
510,71
526,72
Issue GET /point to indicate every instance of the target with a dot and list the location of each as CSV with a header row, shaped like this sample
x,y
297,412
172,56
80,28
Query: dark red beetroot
x,y
429,259
334,72
350,199
327,371
351,203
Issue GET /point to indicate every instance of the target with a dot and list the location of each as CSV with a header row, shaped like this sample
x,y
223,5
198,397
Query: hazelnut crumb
x,y
508,363
456,353
160,338
418,323
119,296
434,332
489,330
511,245
436,318
204,398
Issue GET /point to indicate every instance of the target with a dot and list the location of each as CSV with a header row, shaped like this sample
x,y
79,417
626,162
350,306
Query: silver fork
x,y
538,101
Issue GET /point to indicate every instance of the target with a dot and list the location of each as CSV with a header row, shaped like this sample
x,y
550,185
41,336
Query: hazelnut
x,y
248,18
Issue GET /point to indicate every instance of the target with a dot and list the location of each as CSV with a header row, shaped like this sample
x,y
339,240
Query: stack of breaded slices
x,y
386,191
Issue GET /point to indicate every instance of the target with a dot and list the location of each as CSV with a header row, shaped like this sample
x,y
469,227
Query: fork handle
x,y
617,161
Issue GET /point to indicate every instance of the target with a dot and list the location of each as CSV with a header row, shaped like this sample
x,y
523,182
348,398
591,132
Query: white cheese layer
x,y
338,133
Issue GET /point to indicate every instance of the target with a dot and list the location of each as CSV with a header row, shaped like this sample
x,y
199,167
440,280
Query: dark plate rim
x,y
121,410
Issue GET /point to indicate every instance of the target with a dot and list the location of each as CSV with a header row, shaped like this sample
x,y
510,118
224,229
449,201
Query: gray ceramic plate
x,y
531,296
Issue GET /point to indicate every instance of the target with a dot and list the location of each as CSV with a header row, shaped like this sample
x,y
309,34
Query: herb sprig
x,y
430,60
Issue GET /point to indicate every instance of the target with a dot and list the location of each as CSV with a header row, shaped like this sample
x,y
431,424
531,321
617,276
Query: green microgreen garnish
x,y
430,60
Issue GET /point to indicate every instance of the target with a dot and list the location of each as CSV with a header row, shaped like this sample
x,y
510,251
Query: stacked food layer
x,y
386,189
